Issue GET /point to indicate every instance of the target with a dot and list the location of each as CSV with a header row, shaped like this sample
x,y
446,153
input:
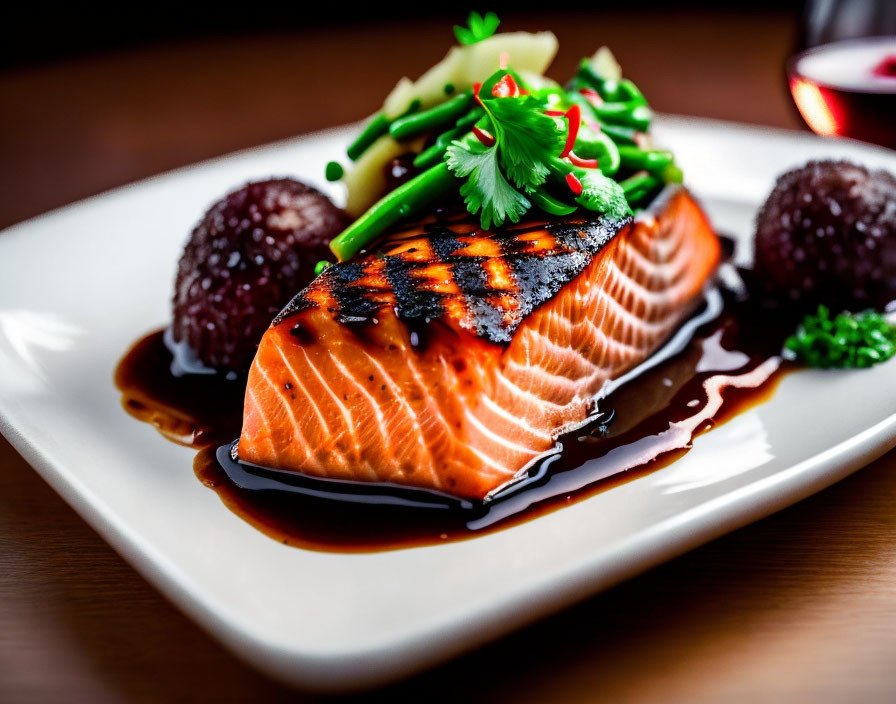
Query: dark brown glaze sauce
x,y
642,426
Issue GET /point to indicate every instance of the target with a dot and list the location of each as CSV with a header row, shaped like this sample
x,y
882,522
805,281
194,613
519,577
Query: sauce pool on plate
x,y
723,360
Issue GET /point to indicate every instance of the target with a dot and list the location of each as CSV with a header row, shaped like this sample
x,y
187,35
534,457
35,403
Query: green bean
x,y
549,204
607,88
446,138
587,75
548,92
629,92
639,185
621,134
630,114
637,197
471,117
611,90
635,181
592,144
443,114
636,159
407,199
430,156
433,155
372,131
672,174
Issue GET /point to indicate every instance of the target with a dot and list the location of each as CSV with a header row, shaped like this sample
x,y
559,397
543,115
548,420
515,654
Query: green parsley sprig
x,y
479,28
848,340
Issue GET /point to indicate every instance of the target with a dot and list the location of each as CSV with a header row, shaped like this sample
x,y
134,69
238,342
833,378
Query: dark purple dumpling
x,y
248,256
827,234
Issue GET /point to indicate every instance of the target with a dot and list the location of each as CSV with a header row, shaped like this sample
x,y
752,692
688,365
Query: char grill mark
x,y
299,303
413,302
356,302
485,319
488,283
588,238
443,241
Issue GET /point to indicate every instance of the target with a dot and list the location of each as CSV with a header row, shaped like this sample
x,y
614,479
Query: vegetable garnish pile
x,y
846,340
485,123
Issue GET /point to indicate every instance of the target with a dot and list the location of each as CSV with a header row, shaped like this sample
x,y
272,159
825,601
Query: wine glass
x,y
844,80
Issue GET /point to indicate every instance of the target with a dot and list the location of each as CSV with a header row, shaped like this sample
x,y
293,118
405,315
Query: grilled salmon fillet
x,y
454,357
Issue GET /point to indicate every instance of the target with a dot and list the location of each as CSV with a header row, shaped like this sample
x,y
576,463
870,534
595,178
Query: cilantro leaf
x,y
479,28
490,24
527,139
486,190
464,35
475,21
602,194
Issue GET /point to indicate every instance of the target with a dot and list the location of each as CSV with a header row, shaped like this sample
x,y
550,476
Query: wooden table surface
x,y
798,607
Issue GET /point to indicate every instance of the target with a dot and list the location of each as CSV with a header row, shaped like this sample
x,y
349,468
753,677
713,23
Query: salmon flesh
x,y
454,357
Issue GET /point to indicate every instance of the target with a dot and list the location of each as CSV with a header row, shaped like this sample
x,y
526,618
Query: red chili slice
x,y
484,137
574,117
592,96
555,113
506,87
574,184
579,161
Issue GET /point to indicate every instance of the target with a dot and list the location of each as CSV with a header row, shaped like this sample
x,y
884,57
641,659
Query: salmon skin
x,y
453,357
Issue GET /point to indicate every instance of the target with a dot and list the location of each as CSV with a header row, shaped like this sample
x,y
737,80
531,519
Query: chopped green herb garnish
x,y
479,28
320,266
846,340
449,89
334,171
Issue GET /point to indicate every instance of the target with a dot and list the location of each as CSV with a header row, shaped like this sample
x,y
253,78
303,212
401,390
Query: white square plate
x,y
77,286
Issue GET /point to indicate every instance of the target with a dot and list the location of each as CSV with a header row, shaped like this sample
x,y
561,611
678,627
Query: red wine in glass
x,y
848,88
